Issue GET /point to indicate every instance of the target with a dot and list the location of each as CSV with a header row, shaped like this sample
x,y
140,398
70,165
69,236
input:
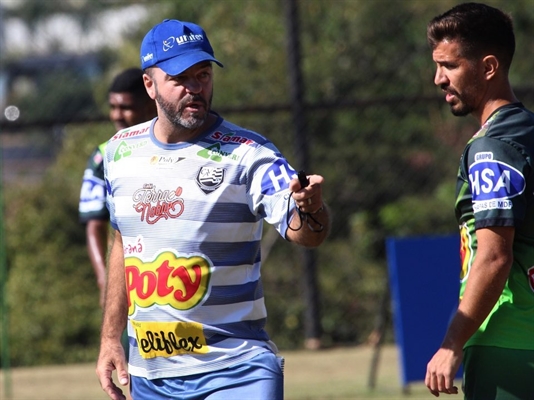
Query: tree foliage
x,y
387,147
52,292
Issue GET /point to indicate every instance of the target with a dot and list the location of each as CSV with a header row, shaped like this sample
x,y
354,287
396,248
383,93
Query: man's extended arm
x,y
486,281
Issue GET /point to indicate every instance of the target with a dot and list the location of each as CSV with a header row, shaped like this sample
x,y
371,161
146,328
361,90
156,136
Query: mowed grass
x,y
329,374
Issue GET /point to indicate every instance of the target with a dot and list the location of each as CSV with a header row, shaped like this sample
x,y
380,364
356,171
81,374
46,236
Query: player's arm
x,y
114,321
312,231
96,239
486,281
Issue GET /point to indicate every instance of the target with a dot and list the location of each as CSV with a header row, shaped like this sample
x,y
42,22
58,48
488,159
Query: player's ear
x,y
491,66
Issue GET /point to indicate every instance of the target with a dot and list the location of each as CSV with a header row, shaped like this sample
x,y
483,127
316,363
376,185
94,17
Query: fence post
x,y
312,325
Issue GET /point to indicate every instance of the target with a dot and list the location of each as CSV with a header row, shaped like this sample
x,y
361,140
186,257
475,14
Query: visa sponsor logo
x,y
495,180
277,177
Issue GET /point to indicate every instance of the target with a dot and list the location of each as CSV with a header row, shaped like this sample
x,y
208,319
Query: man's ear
x,y
150,86
491,66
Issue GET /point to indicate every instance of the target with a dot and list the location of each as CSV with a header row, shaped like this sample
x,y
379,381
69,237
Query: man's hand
x,y
441,370
308,198
312,231
112,358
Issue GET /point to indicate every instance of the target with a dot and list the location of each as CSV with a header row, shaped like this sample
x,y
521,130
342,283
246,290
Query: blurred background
x,y
344,88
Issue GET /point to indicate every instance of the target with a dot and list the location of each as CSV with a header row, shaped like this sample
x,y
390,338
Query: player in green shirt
x,y
492,332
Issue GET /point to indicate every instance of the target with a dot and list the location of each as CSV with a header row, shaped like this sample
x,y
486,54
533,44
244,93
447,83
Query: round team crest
x,y
210,178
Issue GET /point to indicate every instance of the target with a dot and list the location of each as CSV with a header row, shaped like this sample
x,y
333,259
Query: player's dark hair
x,y
129,81
478,28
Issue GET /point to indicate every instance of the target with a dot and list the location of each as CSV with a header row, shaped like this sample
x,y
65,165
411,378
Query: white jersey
x,y
190,215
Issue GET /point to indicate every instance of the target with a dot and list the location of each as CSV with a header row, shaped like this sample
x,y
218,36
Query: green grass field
x,y
333,374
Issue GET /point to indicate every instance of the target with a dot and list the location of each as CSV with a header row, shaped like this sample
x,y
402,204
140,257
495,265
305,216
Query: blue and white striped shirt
x,y
191,218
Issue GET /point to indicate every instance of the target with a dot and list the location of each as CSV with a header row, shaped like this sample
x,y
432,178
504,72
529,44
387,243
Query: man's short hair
x,y
129,81
478,28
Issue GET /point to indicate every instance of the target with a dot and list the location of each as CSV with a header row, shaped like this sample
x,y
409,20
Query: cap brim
x,y
179,64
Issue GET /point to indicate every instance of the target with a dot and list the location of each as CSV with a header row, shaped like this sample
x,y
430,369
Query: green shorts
x,y
496,373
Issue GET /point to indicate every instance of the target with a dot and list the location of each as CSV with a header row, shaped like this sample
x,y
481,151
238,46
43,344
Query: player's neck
x,y
167,132
494,101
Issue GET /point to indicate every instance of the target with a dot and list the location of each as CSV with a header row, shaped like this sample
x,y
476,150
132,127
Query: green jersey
x,y
495,187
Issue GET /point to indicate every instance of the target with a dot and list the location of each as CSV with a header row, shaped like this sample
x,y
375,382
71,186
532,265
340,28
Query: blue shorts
x,y
260,378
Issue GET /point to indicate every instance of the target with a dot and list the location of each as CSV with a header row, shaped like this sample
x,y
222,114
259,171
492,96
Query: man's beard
x,y
461,109
174,113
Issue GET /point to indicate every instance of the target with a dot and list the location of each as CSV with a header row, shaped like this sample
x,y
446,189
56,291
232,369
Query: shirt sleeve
x,y
269,192
497,172
93,192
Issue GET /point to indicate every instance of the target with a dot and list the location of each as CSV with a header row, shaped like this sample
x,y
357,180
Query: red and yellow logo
x,y
530,273
466,251
180,282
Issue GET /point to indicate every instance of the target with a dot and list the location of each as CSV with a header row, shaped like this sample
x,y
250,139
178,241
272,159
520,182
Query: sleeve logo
x,y
493,183
277,177
92,188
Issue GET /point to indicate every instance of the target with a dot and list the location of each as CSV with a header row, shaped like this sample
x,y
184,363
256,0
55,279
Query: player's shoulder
x,y
96,158
510,126
229,132
133,132
511,121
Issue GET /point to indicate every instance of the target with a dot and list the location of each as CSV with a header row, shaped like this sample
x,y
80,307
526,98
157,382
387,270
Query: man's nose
x,y
115,114
194,86
440,77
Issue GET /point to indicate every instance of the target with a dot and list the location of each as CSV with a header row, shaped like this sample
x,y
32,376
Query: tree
x,y
52,292
379,132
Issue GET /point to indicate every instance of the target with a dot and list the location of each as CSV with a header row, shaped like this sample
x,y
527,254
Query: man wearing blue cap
x,y
188,192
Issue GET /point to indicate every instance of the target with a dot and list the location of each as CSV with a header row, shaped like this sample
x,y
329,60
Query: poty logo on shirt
x,y
492,180
277,177
181,282
180,40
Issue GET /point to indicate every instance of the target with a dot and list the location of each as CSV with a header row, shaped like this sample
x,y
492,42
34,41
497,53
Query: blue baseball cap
x,y
174,46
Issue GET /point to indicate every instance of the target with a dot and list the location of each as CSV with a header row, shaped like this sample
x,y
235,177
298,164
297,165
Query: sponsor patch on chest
x,y
167,339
